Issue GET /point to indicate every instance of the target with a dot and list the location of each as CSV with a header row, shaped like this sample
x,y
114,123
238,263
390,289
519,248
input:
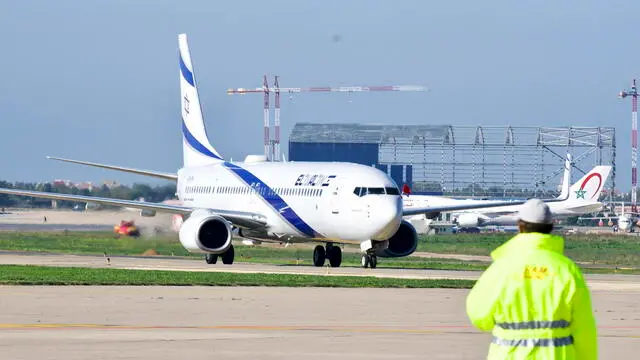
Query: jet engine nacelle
x,y
403,243
205,232
147,213
469,220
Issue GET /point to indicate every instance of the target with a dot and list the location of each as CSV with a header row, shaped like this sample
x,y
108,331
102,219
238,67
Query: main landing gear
x,y
333,253
227,257
369,260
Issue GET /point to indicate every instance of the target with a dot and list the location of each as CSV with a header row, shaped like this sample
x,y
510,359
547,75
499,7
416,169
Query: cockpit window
x,y
362,191
375,191
392,191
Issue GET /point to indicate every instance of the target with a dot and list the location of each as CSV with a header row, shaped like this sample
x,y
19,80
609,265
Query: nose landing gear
x,y
369,260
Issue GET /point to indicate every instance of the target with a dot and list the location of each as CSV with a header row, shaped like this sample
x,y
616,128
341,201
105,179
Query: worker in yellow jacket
x,y
532,297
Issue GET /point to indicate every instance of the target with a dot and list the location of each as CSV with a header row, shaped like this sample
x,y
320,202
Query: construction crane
x,y
274,145
634,140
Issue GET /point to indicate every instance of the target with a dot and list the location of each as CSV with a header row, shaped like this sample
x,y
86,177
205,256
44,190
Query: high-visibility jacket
x,y
535,301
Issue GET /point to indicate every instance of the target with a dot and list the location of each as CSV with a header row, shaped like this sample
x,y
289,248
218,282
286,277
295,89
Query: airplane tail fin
x,y
566,178
590,186
197,150
406,190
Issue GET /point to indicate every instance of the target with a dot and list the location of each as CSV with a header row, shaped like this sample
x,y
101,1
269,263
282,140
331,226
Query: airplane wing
x,y
436,210
158,174
252,221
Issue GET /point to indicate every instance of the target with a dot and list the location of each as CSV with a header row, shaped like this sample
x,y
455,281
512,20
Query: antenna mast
x,y
276,150
634,140
267,140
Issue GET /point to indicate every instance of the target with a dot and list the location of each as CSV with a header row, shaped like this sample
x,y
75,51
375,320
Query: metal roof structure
x,y
457,157
368,133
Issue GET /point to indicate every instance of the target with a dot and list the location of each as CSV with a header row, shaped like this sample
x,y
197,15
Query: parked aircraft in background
x,y
627,221
580,198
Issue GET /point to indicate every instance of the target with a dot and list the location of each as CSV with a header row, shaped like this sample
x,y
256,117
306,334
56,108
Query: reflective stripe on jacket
x,y
535,302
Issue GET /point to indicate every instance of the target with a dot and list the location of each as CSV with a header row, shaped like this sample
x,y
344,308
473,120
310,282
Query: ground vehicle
x,y
126,228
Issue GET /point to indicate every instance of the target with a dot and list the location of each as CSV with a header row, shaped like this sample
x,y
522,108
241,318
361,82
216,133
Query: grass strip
x,y
604,249
44,275
606,254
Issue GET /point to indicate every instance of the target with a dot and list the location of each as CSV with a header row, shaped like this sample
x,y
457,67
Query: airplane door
x,y
334,200
253,195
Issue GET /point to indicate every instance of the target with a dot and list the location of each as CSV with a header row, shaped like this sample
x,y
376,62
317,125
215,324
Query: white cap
x,y
535,211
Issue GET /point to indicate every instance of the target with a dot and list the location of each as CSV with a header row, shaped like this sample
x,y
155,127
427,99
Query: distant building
x,y
59,182
110,183
87,185
356,143
501,161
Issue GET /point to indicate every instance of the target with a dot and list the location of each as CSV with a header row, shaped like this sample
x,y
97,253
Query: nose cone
x,y
387,215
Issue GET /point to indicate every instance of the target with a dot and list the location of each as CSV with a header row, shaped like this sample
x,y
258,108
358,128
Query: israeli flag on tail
x,y
197,151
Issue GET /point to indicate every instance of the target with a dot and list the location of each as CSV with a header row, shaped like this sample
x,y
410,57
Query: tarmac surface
x,y
265,323
114,322
39,322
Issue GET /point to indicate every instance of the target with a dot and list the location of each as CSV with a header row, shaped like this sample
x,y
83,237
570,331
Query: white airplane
x,y
422,223
326,203
627,221
580,198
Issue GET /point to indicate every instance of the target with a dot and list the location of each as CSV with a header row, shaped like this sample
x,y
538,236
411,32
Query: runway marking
x,y
433,329
213,327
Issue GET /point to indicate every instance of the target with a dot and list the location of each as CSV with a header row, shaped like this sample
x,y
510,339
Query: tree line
x,y
156,193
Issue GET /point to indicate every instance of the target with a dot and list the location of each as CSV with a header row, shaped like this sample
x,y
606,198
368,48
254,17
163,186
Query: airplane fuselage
x,y
300,200
503,215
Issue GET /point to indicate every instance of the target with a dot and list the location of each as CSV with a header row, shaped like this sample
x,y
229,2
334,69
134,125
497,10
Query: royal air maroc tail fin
x,y
197,150
590,186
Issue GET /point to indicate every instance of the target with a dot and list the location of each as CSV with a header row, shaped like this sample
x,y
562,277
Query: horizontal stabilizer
x,y
162,175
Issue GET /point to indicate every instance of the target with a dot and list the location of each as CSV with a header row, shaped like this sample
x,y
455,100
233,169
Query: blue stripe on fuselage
x,y
186,74
273,199
195,144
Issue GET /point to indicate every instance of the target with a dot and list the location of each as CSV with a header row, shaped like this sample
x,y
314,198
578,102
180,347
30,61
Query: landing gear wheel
x,y
211,258
335,256
227,257
319,255
364,260
373,261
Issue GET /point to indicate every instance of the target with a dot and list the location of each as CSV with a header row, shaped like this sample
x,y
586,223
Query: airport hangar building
x,y
477,161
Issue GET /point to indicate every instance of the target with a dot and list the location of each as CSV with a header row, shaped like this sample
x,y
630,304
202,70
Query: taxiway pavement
x,y
68,322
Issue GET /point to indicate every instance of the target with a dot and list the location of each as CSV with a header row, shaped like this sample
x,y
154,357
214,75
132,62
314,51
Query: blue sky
x,y
98,80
